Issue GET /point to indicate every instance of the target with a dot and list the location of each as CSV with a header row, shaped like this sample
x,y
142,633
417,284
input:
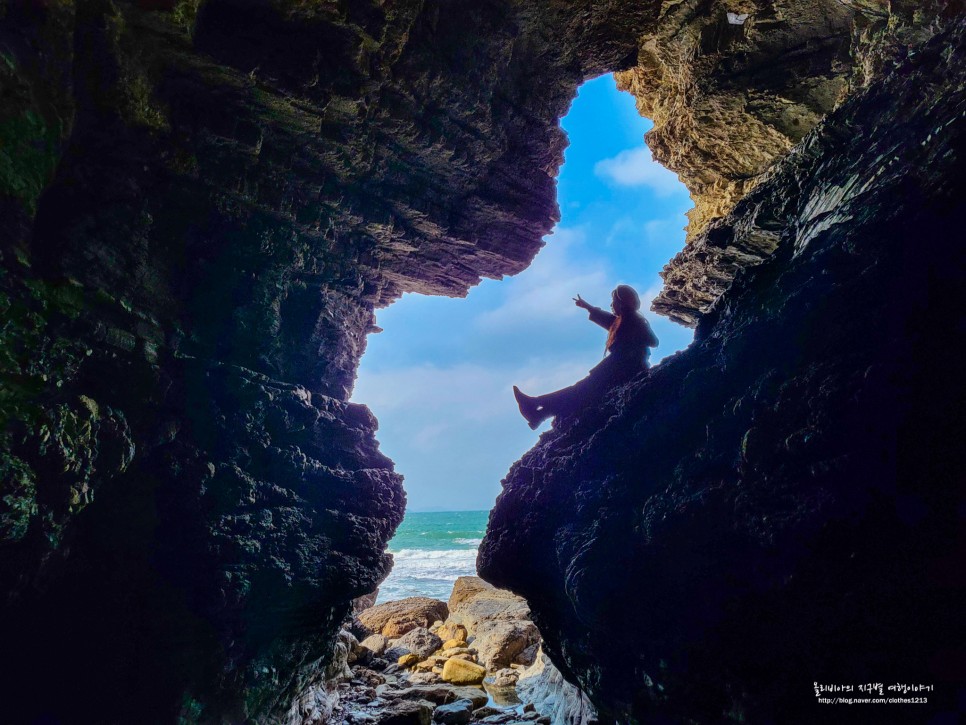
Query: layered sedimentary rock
x,y
781,503
732,89
201,204
731,86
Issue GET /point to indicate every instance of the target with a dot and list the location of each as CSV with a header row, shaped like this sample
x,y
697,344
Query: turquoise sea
x,y
430,550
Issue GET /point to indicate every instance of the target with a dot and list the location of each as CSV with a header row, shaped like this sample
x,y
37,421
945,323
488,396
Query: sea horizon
x,y
445,511
431,550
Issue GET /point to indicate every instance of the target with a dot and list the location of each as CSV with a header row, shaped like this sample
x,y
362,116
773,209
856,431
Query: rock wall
x,y
732,87
781,503
545,686
201,204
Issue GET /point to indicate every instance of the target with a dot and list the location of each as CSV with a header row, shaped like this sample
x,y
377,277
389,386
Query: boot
x,y
528,408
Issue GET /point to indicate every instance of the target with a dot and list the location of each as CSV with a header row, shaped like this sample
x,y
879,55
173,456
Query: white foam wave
x,y
427,573
468,542
432,554
432,577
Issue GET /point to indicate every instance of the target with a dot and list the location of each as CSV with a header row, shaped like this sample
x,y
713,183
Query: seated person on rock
x,y
628,338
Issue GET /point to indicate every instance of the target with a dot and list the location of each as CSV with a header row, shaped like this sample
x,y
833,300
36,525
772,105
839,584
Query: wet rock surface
x,y
201,205
453,684
726,107
761,511
725,104
395,619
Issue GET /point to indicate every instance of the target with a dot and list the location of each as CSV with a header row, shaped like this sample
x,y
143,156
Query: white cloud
x,y
624,227
647,297
543,294
637,167
460,392
425,387
453,431
669,232
430,436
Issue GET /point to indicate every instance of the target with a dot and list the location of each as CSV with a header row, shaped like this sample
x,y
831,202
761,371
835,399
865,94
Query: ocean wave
x,y
432,554
426,572
436,577
468,542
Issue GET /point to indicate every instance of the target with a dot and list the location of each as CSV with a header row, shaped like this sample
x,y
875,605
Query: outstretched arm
x,y
602,318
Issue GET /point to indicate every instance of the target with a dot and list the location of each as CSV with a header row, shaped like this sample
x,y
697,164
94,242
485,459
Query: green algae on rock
x,y
201,205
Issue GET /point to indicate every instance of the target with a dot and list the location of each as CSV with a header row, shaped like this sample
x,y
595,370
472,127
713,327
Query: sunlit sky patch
x,y
439,377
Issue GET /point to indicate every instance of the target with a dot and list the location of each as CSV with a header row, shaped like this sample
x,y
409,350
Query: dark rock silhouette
x,y
781,503
201,205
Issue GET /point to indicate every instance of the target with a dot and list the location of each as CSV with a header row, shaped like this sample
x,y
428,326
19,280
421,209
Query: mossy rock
x,y
18,498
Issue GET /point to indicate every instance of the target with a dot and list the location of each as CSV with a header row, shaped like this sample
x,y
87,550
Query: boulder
x,y
456,651
356,652
409,660
501,718
474,694
527,657
394,653
474,600
431,662
359,718
503,696
461,672
504,678
451,630
394,619
454,643
437,694
339,665
375,643
424,678
369,678
419,641
456,713
485,711
499,642
360,604
406,712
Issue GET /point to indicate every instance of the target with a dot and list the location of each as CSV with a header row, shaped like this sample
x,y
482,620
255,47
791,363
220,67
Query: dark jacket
x,y
627,351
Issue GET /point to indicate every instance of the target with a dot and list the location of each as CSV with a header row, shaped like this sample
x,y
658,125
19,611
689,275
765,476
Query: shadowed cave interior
x,y
202,203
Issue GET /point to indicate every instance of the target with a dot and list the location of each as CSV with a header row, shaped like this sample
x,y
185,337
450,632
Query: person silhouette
x,y
629,337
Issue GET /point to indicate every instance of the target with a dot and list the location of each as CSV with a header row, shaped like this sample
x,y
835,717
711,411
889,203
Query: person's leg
x,y
559,401
566,401
528,408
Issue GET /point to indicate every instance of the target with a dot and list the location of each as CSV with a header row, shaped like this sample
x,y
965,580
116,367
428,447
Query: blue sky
x,y
440,376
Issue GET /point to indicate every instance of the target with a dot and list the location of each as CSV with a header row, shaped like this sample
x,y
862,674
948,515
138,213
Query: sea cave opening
x,y
439,376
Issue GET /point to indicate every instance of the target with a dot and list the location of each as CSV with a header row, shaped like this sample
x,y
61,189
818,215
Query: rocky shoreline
x,y
474,659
